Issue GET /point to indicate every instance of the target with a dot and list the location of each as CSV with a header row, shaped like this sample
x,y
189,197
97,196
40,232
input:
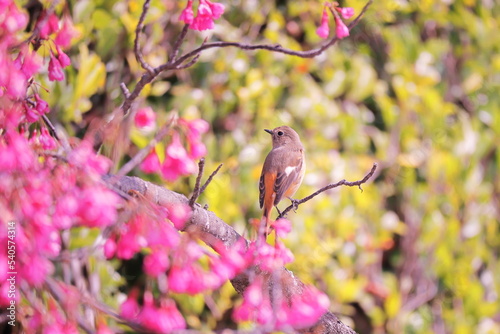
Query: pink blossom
x,y
179,214
13,19
66,33
204,19
169,316
216,8
197,149
85,158
156,263
41,106
151,164
282,227
145,118
196,127
55,70
46,140
346,12
128,245
177,161
130,308
187,278
187,15
16,88
342,31
109,248
62,57
323,30
35,269
31,64
149,313
98,207
47,26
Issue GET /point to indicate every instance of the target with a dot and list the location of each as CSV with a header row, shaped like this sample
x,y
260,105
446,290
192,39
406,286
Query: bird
x,y
282,172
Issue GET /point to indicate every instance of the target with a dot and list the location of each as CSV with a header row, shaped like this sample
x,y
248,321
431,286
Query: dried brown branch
x,y
138,29
296,203
214,232
196,191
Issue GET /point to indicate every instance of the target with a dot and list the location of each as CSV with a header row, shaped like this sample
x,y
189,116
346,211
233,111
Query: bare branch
x,y
125,90
189,64
210,179
52,129
178,43
175,63
196,191
296,203
137,47
271,47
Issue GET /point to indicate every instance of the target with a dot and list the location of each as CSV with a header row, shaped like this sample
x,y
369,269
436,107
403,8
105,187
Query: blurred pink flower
x,y
179,214
66,33
62,57
151,164
130,307
156,263
48,26
197,149
145,118
341,30
187,15
323,30
55,70
346,12
98,206
109,248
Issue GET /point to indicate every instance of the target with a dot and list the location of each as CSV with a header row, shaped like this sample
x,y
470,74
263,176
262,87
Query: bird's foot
x,y
295,204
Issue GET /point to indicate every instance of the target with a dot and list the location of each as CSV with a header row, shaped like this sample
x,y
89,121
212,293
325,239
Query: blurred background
x,y
415,88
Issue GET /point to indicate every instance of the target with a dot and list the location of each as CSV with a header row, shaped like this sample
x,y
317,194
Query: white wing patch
x,y
288,170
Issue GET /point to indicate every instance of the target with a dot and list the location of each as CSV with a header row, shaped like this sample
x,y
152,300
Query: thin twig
x,y
51,127
196,191
139,157
189,64
207,182
125,90
296,203
178,43
137,47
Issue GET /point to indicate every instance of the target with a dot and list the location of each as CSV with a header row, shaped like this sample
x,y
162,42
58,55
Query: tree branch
x,y
296,203
214,231
178,63
138,29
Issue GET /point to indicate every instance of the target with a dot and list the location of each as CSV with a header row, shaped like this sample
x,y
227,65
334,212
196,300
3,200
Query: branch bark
x,y
213,230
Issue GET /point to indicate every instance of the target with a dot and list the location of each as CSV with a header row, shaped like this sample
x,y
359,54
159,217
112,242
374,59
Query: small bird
x,y
282,172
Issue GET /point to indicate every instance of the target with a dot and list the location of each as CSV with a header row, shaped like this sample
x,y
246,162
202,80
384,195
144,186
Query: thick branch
x,y
213,230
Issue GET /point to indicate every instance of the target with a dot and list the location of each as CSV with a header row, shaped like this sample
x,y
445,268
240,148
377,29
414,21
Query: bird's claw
x,y
295,204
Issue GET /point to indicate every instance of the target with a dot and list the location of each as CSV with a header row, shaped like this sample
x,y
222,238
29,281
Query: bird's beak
x,y
269,131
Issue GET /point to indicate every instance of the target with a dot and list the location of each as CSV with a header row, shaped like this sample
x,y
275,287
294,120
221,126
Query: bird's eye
x,y
280,133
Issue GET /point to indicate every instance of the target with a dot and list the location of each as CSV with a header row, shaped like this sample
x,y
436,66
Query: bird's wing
x,y
287,177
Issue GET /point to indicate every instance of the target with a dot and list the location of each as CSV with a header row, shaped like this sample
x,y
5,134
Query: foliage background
x,y
415,88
